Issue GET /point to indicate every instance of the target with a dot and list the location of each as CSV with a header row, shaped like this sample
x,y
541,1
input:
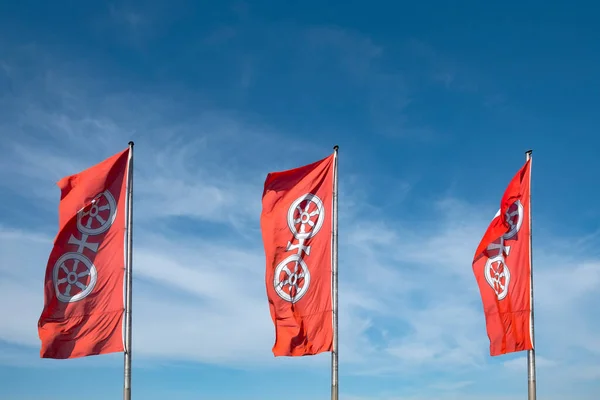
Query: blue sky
x,y
433,106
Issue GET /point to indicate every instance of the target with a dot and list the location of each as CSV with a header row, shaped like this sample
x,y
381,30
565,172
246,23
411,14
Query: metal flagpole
x,y
334,273
128,277
530,353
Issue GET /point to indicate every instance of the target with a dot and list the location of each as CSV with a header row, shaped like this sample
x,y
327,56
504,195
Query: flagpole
x,y
530,353
334,272
128,278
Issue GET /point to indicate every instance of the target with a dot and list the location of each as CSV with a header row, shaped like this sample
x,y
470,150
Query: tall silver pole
x,y
334,273
128,277
531,353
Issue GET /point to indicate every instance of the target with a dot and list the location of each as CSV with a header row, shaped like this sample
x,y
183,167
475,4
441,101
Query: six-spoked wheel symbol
x,y
74,277
97,217
497,275
292,278
301,216
514,218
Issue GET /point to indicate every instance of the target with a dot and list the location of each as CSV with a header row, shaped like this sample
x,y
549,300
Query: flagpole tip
x,y
130,143
529,152
336,147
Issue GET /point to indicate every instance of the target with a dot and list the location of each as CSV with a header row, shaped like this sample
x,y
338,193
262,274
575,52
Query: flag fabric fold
x,y
83,289
296,224
502,269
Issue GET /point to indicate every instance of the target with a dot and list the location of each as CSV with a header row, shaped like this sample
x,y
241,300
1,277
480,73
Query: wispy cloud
x,y
355,52
443,69
409,305
127,16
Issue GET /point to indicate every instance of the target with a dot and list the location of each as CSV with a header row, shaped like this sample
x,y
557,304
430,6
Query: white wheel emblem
x,y
74,274
292,278
74,277
304,219
301,215
514,218
97,217
497,275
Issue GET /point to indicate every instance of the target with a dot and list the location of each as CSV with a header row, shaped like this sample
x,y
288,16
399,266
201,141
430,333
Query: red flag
x,y
296,229
83,291
502,269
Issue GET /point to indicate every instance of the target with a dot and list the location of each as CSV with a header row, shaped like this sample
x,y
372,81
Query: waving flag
x,y
84,281
502,269
296,224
